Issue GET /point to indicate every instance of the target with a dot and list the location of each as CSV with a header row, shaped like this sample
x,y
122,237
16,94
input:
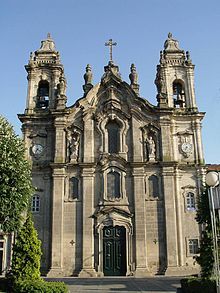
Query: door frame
x,y
108,220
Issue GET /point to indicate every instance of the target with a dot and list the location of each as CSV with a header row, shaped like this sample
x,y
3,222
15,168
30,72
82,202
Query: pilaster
x,y
170,217
88,225
140,227
57,223
88,155
60,140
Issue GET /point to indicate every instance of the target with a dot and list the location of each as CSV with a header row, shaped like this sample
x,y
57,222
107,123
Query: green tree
x,y
206,258
15,178
26,253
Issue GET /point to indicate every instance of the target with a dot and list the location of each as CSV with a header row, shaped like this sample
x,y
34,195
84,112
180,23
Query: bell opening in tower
x,y
43,95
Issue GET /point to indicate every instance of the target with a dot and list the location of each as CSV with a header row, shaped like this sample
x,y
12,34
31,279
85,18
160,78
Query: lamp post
x,y
212,180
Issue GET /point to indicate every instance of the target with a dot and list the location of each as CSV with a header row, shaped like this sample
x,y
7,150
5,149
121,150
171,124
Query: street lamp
x,y
212,180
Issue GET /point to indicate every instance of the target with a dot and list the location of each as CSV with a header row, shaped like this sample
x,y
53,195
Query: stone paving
x,y
118,284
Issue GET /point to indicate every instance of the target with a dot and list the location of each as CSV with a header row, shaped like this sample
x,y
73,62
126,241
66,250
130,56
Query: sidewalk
x,y
117,284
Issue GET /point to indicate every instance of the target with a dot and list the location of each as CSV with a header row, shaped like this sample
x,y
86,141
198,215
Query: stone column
x,y
191,92
88,199
58,175
199,141
170,218
179,218
88,155
140,226
88,224
60,147
46,220
57,223
31,92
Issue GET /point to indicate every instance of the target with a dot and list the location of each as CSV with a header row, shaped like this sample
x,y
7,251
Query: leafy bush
x,y
197,285
39,286
26,253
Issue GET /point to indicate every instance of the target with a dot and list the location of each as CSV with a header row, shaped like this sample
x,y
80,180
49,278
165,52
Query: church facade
x,y
117,179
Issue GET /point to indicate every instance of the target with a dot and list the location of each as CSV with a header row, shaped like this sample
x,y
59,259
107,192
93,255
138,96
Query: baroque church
x,y
116,178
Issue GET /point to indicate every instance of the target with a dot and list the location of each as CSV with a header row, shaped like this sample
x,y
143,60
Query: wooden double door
x,y
114,251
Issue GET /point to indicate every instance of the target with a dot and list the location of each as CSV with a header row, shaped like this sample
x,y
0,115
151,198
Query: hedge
x,y
198,285
39,286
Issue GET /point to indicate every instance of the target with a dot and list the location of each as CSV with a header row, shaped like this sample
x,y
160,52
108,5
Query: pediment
x,y
112,211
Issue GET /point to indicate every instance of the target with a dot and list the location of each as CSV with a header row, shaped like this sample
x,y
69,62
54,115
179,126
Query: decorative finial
x,y
133,76
88,79
170,35
88,75
110,43
48,36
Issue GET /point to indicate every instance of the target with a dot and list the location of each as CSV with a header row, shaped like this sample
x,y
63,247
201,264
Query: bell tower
x,y
46,81
175,77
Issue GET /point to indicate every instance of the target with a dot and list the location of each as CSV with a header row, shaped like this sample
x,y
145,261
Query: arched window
x,y
43,94
190,201
113,185
153,186
178,94
35,205
113,137
74,188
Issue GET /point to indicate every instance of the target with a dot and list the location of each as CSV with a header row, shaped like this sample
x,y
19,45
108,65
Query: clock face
x,y
37,149
186,147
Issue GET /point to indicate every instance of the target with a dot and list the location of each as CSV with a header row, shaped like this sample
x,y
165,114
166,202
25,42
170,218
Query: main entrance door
x,y
114,251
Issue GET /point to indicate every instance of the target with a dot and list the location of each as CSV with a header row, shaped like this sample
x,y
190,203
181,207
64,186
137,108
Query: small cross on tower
x,y
110,44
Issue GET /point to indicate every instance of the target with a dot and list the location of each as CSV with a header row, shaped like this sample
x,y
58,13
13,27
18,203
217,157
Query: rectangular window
x,y
74,188
190,201
35,203
193,246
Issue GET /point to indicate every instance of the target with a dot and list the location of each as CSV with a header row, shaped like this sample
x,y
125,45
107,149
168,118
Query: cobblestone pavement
x,y
109,284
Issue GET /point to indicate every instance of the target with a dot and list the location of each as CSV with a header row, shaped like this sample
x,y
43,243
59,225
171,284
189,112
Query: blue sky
x,y
80,29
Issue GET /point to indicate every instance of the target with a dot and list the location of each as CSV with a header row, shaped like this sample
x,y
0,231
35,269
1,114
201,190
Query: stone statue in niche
x,y
151,149
73,146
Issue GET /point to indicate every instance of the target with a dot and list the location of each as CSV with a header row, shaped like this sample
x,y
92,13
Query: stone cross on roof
x,y
110,44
